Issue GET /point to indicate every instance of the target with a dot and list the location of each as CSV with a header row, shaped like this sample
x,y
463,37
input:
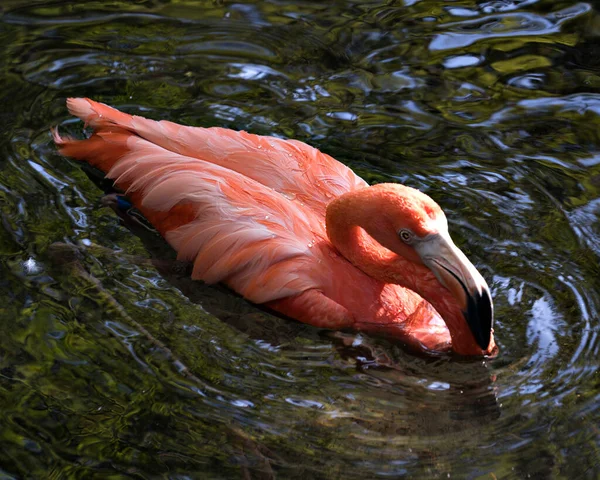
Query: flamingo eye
x,y
406,235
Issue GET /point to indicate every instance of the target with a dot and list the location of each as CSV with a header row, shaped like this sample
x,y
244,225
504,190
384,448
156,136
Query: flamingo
x,y
291,228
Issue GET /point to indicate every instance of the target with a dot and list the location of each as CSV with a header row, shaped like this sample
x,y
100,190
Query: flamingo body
x,y
249,211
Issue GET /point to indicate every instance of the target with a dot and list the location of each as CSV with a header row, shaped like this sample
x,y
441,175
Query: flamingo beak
x,y
455,272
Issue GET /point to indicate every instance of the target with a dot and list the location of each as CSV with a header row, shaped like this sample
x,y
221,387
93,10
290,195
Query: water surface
x,y
114,365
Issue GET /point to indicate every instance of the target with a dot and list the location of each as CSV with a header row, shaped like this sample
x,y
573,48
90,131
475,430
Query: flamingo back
x,y
288,166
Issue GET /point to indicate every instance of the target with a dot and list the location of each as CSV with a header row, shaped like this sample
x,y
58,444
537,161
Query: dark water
x,y
113,366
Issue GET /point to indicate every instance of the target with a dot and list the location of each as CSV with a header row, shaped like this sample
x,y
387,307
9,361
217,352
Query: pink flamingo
x,y
289,227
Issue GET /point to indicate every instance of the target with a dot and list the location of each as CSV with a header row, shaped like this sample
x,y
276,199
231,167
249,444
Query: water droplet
x,y
259,146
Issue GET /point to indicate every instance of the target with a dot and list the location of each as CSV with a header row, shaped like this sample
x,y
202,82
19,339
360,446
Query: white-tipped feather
x,y
80,108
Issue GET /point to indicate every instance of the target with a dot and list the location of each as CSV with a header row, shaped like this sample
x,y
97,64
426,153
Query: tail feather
x,y
102,150
107,145
97,115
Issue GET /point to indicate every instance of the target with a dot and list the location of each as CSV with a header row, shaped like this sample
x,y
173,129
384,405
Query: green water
x,y
114,365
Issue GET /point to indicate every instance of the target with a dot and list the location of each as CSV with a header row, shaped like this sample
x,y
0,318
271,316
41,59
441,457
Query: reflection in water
x,y
112,362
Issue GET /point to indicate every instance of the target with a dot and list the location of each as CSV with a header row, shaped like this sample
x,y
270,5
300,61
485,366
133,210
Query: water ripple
x,y
114,361
465,33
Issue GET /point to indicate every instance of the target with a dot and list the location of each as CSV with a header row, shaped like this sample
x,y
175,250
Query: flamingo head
x,y
413,226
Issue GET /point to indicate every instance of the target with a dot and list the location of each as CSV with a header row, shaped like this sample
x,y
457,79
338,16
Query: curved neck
x,y
353,220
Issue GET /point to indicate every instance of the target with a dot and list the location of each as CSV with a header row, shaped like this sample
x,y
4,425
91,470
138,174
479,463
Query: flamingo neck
x,y
349,219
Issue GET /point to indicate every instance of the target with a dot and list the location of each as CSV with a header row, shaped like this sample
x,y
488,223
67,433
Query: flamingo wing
x,y
290,167
235,230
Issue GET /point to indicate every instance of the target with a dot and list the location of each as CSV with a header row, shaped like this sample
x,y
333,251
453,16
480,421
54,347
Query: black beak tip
x,y
480,317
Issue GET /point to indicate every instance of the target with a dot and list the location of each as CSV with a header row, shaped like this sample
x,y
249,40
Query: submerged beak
x,y
455,272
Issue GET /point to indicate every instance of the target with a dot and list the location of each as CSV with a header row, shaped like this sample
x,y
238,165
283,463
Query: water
x,y
113,365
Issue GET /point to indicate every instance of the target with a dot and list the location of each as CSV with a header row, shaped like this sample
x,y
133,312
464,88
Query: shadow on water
x,y
113,365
